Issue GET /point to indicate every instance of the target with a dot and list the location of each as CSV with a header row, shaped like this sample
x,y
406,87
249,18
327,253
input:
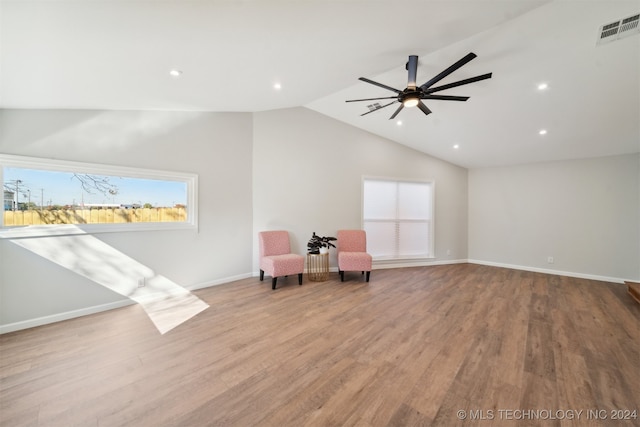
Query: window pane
x,y
414,200
414,239
381,238
379,199
102,198
43,188
397,216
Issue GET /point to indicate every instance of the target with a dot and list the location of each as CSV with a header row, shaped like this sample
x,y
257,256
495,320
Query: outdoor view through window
x,y
40,196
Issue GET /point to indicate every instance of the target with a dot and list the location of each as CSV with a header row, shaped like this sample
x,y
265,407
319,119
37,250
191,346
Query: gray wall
x,y
216,146
308,171
583,213
301,171
293,169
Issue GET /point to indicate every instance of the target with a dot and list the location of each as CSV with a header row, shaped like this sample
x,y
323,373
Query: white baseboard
x,y
219,281
380,265
549,271
58,317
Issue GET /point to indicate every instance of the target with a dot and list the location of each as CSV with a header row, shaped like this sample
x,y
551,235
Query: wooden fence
x,y
94,216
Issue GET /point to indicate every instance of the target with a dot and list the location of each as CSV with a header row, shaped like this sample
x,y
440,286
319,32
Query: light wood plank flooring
x,y
413,347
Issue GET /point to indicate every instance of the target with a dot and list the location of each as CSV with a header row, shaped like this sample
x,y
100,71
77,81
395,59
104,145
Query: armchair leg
x,y
341,276
299,278
367,276
273,282
261,275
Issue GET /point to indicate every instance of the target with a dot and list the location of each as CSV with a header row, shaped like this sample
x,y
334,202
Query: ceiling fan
x,y
413,94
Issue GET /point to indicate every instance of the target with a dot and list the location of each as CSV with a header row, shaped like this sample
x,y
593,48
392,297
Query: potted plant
x,y
319,244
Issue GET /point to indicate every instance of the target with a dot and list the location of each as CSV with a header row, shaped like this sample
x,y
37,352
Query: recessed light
x,y
455,147
543,86
175,73
399,122
542,132
277,86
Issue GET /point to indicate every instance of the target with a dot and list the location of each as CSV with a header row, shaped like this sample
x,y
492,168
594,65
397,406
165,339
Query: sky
x,y
62,188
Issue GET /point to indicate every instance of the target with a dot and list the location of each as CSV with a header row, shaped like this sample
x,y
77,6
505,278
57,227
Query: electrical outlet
x,y
550,260
448,251
141,282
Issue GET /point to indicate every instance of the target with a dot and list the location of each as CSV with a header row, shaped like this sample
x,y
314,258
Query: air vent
x,y
619,29
374,106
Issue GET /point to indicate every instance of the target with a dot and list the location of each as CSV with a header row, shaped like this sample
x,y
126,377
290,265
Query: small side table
x,y
318,267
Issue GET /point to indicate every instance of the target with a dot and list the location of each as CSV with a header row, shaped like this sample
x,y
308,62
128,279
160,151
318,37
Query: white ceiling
x,y
110,54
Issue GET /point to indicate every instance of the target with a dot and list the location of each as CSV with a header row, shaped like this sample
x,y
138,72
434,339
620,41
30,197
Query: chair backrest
x,y
274,243
352,241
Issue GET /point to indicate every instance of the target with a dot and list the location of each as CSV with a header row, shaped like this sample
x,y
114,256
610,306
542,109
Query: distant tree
x,y
148,206
96,182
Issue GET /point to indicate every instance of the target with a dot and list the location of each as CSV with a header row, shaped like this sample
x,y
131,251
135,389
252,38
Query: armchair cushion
x,y
282,265
354,261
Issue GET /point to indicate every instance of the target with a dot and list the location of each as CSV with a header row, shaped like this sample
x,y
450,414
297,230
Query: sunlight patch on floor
x,y
166,303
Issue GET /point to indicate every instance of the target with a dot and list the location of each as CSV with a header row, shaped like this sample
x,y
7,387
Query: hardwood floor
x,y
413,347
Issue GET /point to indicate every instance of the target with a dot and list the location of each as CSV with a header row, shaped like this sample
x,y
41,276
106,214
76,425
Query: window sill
x,y
28,231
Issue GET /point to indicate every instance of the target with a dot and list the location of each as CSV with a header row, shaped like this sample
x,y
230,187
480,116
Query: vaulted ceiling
x,y
106,54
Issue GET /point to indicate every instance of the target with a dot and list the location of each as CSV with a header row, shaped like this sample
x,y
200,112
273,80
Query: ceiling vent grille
x,y
619,29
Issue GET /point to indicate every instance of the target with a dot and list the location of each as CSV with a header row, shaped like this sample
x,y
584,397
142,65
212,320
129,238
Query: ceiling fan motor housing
x,y
410,97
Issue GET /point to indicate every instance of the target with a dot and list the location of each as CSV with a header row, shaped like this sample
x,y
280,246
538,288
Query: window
x,y
398,218
44,194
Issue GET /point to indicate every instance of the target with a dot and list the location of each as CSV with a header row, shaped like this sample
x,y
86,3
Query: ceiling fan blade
x,y
393,116
376,109
459,83
364,79
424,108
371,99
445,97
449,70
412,68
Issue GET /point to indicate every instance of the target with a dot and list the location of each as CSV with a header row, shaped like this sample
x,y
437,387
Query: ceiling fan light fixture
x,y
411,102
413,94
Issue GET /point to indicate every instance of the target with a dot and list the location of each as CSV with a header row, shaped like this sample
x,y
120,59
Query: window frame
x,y
431,221
55,165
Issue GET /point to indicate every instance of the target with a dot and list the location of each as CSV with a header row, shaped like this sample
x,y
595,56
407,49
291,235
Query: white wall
x,y
308,171
292,169
301,171
216,146
583,213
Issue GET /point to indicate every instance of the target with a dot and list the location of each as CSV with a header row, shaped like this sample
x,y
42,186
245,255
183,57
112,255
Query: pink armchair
x,y
352,252
276,258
